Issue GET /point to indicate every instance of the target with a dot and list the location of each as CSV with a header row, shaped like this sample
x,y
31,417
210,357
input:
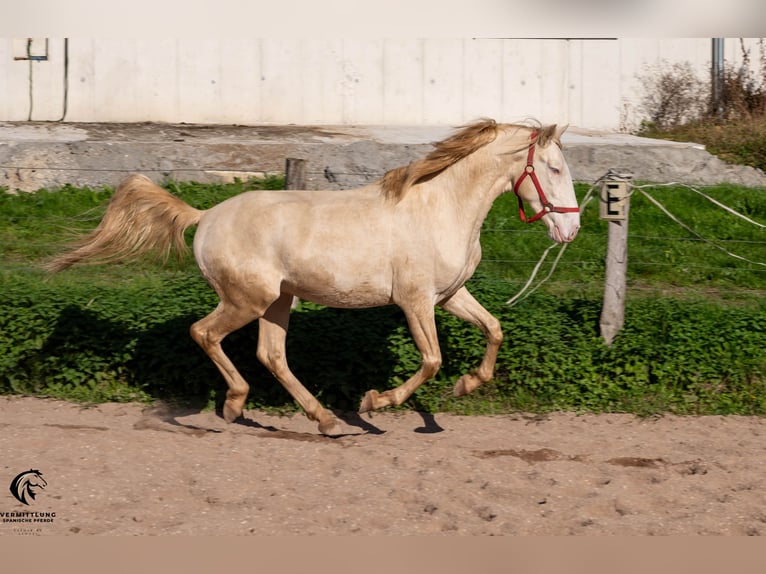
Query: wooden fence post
x,y
614,207
295,178
295,173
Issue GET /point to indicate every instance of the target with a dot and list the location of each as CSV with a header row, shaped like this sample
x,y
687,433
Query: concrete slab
x,y
36,155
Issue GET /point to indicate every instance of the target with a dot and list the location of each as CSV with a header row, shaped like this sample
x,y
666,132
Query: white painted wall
x,y
587,83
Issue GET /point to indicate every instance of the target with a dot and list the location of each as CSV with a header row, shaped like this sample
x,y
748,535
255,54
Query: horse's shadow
x,y
351,418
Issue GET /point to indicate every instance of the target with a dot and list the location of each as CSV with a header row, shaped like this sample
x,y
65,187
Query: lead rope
x,y
518,297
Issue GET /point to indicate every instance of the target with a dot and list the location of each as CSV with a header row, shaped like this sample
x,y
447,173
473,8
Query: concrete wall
x,y
587,83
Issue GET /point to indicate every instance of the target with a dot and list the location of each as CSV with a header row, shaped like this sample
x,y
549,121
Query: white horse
x,y
410,239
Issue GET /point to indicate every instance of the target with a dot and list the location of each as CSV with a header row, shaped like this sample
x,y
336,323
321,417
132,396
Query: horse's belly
x,y
333,293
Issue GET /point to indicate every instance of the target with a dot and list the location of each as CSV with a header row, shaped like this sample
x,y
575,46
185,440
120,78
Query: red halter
x,y
529,170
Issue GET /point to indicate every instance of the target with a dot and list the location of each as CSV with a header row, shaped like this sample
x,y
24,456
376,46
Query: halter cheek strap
x,y
529,171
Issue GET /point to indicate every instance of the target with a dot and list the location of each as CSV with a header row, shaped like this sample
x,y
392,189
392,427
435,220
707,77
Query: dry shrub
x,y
679,106
744,91
673,94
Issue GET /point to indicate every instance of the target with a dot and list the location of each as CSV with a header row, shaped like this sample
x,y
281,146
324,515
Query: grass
x,y
36,226
663,257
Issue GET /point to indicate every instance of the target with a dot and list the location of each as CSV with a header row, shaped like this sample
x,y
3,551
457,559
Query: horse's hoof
x,y
465,385
230,414
331,427
368,402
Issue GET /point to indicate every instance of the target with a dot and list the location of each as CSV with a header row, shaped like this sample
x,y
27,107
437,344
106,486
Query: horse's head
x,y
543,181
23,485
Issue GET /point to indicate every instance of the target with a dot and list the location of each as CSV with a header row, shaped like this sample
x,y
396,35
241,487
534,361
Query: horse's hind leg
x,y
208,333
272,333
464,306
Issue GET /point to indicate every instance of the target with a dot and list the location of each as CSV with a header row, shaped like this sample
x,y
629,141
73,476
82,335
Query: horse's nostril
x,y
573,234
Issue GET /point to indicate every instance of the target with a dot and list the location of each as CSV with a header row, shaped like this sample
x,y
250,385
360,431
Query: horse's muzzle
x,y
559,234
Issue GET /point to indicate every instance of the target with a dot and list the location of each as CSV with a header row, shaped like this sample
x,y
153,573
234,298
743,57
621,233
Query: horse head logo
x,y
23,485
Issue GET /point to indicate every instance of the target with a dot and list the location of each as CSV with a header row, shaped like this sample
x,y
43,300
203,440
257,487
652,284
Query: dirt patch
x,y
128,469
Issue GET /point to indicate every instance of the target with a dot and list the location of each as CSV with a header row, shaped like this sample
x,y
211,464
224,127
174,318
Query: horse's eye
x,y
555,170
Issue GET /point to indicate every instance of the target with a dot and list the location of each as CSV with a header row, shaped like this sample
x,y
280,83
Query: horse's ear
x,y
546,134
552,133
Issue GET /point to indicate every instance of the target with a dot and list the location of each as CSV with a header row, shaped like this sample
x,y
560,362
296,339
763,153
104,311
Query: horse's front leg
x,y
423,328
464,306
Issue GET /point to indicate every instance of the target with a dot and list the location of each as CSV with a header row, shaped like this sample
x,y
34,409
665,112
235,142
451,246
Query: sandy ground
x,y
119,469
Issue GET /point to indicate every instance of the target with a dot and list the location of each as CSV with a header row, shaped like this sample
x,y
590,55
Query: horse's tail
x,y
140,217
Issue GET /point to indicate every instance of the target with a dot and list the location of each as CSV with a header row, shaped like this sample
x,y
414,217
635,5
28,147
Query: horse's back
x,y
269,218
319,245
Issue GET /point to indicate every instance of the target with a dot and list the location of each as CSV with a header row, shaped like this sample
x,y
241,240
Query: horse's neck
x,y
472,189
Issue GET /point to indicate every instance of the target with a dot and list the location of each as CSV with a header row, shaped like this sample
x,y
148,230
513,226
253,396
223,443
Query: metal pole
x,y
716,78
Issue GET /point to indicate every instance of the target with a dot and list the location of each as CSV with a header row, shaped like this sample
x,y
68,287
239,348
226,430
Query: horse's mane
x,y
468,139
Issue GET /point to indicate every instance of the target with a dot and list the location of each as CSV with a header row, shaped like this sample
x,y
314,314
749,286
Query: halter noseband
x,y
529,170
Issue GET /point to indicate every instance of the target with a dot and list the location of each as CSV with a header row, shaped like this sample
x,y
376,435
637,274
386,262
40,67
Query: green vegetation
x,y
693,342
